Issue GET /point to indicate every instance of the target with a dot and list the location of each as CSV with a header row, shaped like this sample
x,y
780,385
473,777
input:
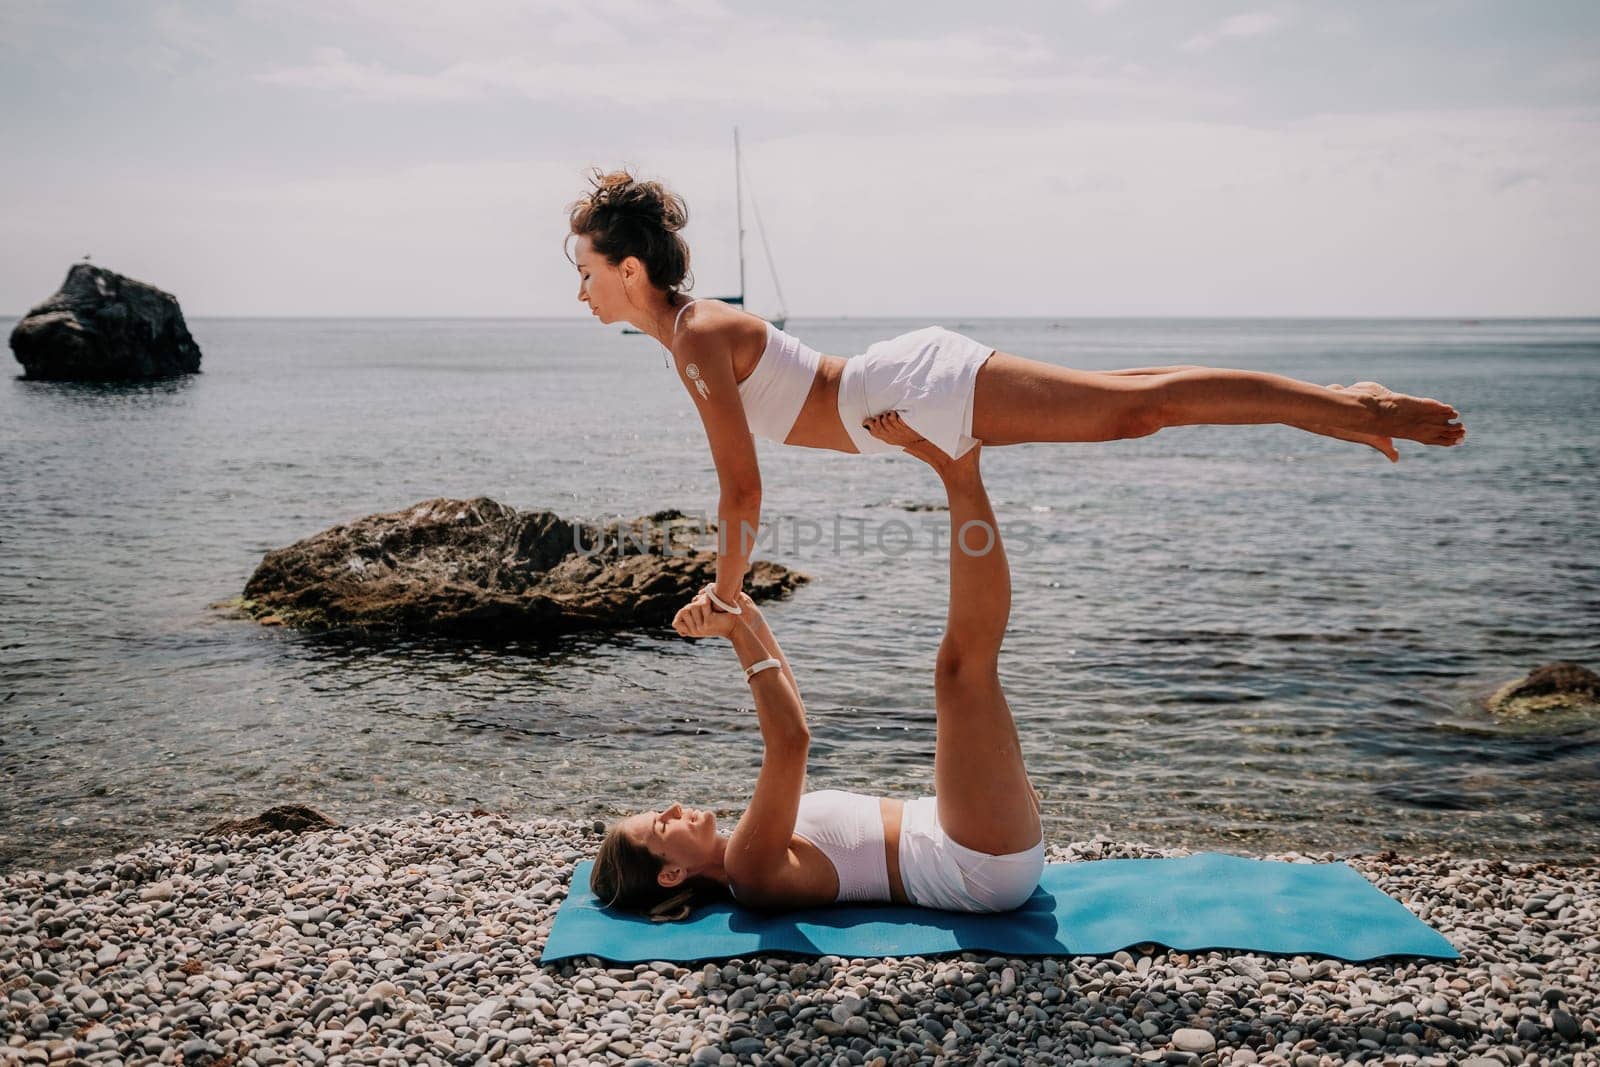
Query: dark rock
x,y
101,326
1552,686
478,568
295,818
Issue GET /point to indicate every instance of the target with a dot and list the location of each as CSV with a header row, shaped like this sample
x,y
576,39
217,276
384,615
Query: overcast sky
x,y
1064,157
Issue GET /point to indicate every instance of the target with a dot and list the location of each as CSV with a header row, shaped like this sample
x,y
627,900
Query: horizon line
x,y
1463,318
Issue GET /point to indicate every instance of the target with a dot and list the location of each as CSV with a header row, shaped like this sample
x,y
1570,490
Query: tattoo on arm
x,y
693,372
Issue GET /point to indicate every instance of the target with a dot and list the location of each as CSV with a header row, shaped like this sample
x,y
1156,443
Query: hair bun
x,y
621,195
623,217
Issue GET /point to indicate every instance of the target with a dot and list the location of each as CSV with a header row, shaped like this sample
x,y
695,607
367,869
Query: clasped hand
x,y
701,618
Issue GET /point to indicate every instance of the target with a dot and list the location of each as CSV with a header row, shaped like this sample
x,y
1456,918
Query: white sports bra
x,y
848,829
777,389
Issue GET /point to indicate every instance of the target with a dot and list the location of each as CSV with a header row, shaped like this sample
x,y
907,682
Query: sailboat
x,y
782,316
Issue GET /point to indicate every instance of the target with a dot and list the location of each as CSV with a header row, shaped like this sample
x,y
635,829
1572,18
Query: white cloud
x,y
448,33
333,71
811,72
1415,213
1580,75
943,172
24,22
1249,24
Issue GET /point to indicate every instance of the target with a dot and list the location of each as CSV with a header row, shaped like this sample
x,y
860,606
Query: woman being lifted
x,y
747,377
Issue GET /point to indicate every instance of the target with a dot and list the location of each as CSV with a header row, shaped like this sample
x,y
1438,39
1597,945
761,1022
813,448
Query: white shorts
x,y
927,376
939,873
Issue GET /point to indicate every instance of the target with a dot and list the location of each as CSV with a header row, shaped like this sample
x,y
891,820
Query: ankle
x,y
1376,411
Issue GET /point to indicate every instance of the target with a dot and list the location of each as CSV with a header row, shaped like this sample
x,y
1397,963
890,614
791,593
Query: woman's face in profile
x,y
599,282
679,836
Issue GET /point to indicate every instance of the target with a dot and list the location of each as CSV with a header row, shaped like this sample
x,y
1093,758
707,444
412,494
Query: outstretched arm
x,y
777,698
758,849
758,626
706,368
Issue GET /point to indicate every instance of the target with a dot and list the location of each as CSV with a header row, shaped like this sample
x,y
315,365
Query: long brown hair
x,y
624,877
624,217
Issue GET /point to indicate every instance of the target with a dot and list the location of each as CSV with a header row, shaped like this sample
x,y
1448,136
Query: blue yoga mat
x,y
1205,901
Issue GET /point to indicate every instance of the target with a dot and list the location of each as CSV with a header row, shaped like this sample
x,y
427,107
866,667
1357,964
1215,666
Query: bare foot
x,y
892,429
1379,441
1409,418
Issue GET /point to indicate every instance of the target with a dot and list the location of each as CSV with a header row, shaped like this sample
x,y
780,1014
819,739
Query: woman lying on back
x,y
975,845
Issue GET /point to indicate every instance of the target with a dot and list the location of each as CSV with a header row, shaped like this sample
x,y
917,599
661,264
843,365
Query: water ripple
x,y
1221,637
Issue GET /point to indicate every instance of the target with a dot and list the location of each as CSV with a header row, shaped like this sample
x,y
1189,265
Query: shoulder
x,y
712,328
752,893
796,883
759,888
702,338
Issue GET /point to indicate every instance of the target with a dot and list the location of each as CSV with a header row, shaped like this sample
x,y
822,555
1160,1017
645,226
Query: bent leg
x,y
985,799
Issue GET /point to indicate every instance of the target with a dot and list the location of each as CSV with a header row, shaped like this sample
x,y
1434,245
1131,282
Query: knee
x,y
958,666
1150,407
949,666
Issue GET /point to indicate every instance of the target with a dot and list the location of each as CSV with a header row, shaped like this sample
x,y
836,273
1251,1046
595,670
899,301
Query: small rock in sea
x,y
102,326
477,568
1548,688
295,818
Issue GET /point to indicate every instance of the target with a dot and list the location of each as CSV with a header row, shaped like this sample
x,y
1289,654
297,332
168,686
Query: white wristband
x,y
766,664
731,609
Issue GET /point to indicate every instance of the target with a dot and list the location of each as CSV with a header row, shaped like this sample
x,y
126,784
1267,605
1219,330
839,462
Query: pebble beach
x,y
417,940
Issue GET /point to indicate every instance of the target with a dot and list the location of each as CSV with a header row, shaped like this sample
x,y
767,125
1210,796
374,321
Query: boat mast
x,y
738,208
766,247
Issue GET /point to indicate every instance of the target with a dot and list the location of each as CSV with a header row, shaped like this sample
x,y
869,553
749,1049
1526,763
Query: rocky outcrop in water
x,y
478,568
1548,688
102,326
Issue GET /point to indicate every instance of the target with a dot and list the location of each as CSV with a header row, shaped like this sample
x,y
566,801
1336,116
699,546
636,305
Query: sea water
x,y
1240,638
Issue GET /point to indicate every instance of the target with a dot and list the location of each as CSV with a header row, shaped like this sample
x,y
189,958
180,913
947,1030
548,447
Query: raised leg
x,y
1153,370
1019,400
1378,441
985,799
